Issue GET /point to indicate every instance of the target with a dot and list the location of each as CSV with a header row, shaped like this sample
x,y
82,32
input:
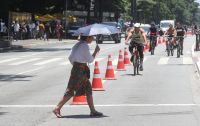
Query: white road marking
x,y
25,61
115,62
97,59
25,72
33,54
188,52
163,61
8,60
48,61
187,60
65,63
106,105
193,46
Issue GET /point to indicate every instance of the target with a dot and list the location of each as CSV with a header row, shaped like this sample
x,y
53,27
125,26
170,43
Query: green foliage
x,y
184,11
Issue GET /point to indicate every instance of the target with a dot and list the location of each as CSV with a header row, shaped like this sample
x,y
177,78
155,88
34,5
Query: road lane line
x,y
187,60
25,72
25,61
97,59
65,63
8,60
106,105
48,61
33,54
163,61
115,62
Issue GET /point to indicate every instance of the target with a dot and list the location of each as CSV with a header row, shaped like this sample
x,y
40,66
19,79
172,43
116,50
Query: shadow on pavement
x,y
14,77
40,49
3,113
82,116
131,75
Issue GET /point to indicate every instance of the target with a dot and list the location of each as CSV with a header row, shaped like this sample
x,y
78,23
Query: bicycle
x,y
135,58
170,46
153,44
179,39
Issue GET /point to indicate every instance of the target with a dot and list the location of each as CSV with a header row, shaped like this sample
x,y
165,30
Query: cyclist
x,y
171,32
153,33
137,36
180,32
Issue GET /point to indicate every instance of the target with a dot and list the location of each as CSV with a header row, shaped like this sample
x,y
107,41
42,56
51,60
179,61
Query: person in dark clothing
x,y
153,34
180,32
47,31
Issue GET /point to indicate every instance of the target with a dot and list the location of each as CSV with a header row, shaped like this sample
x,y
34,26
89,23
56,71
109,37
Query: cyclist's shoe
x,y
181,52
141,65
141,68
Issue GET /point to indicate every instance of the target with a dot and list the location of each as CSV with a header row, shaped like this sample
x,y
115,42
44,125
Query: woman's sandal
x,y
57,113
96,114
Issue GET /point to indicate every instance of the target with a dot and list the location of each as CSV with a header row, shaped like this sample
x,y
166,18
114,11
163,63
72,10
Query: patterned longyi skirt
x,y
79,83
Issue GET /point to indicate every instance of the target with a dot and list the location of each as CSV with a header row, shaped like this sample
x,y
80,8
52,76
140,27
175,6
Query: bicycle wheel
x,y
138,64
172,49
168,50
134,65
172,52
178,50
152,48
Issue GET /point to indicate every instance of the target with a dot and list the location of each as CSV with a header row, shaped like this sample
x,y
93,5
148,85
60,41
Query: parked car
x,y
113,37
71,31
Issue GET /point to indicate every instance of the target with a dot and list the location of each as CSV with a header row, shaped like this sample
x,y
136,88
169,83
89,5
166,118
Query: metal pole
x,y
135,10
66,19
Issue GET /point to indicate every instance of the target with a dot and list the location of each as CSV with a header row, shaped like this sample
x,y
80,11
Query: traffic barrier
x,y
120,65
109,71
126,57
79,100
96,82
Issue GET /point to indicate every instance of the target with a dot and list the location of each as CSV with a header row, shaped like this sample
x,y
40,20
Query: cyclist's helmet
x,y
137,25
152,24
170,26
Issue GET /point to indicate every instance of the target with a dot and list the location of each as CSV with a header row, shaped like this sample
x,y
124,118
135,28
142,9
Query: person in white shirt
x,y
79,79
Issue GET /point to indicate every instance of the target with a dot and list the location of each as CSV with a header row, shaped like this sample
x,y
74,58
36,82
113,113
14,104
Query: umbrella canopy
x,y
96,29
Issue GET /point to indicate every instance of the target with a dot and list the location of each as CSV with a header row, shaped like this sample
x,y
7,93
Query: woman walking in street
x,y
79,80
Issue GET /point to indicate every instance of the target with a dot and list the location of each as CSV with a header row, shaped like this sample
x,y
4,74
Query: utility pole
x,y
66,21
133,11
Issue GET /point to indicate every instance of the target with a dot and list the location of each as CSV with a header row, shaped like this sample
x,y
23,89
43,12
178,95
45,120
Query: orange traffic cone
x,y
110,71
120,65
146,48
126,58
79,100
97,83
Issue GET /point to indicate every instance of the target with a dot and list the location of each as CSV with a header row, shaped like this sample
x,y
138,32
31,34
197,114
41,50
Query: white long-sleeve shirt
x,y
80,53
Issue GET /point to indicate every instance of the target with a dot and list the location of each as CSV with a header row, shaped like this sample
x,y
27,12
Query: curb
x,y
18,46
195,59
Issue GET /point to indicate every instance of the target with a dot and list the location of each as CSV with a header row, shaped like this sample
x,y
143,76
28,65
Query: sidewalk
x,y
196,57
32,42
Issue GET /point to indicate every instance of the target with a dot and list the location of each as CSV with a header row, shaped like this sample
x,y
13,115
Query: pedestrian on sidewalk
x,y
79,80
47,31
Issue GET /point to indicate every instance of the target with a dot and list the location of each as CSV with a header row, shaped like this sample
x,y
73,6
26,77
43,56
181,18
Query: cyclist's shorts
x,y
181,38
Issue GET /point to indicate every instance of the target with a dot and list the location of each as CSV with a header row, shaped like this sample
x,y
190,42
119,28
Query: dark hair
x,y
83,38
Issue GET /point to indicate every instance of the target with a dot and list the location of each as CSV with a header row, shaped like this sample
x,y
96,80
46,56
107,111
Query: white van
x,y
164,24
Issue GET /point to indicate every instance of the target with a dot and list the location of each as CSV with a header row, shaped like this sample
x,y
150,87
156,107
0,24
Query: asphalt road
x,y
33,80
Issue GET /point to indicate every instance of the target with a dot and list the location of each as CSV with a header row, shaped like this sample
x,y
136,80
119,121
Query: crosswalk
x,y
62,61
